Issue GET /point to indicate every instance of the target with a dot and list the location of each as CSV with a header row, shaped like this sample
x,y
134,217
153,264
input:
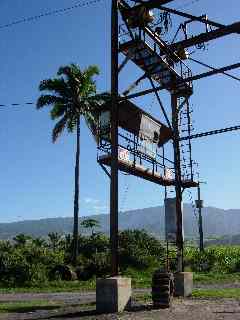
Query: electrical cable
x,y
49,13
213,68
210,133
16,104
187,4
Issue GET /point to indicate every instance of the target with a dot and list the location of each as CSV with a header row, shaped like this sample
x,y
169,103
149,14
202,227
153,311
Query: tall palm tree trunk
x,y
76,198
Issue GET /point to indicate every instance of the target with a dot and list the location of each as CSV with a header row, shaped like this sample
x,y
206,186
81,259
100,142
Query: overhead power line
x,y
16,104
188,4
210,133
49,13
213,68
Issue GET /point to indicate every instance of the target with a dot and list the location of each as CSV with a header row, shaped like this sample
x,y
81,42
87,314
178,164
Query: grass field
x,y
201,294
216,278
54,286
217,293
139,280
30,306
35,305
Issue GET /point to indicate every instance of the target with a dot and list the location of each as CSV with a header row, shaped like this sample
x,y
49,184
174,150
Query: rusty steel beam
x,y
193,78
191,17
212,68
160,5
207,36
213,72
160,1
114,142
151,4
210,133
162,44
178,180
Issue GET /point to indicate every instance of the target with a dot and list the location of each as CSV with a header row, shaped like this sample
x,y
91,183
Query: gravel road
x,y
75,307
89,296
187,309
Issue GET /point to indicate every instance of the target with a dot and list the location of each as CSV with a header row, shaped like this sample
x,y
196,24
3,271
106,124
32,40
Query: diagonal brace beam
x,y
195,77
206,37
160,103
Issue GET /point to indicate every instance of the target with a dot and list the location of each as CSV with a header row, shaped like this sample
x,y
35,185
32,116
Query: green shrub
x,y
223,259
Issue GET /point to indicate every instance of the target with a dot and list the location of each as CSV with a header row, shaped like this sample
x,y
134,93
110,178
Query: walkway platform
x,y
150,61
144,173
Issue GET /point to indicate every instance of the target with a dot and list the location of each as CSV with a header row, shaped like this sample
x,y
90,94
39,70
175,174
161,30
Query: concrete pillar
x,y
183,284
113,294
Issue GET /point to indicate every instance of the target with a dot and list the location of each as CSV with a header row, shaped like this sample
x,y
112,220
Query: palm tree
x,y
21,239
73,94
90,224
54,239
39,242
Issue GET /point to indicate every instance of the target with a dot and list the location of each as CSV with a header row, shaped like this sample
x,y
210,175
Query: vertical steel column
x,y
178,188
189,141
114,141
200,226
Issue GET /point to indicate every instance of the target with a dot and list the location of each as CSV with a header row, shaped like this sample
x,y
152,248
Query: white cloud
x,y
91,201
101,208
95,205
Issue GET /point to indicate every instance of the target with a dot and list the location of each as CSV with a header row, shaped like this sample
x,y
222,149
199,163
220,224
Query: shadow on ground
x,y
93,312
26,309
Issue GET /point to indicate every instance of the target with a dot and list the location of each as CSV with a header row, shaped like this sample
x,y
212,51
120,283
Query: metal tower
x,y
132,140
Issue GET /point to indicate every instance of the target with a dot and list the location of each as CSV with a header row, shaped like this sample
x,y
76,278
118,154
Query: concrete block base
x,y
183,284
113,294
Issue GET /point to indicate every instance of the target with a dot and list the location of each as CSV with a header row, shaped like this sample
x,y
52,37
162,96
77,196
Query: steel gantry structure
x,y
132,140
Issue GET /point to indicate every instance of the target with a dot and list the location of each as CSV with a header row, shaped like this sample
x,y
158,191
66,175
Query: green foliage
x,y
54,240
223,259
90,224
26,262
29,306
37,262
21,239
139,250
217,293
72,93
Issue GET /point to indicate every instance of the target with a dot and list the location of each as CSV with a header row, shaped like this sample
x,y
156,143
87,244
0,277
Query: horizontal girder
x,y
145,173
206,37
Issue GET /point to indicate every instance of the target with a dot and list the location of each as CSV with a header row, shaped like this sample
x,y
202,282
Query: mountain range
x,y
216,223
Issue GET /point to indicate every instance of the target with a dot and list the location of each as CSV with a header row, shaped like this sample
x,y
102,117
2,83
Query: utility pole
x,y
178,188
199,205
114,141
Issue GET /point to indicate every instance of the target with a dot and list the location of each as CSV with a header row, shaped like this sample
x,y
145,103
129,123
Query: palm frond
x,y
70,70
91,71
94,102
59,127
73,94
72,122
91,120
58,110
100,98
57,85
47,99
88,85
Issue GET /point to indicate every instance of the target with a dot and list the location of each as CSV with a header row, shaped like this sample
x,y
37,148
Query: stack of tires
x,y
162,289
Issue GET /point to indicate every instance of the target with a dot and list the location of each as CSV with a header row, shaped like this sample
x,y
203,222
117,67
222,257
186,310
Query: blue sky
x,y
37,177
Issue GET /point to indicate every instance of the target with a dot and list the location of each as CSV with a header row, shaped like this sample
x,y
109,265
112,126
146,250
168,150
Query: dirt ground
x,y
184,309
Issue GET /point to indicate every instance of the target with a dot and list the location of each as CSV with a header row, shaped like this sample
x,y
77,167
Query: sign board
x,y
123,154
149,129
170,220
146,147
136,121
